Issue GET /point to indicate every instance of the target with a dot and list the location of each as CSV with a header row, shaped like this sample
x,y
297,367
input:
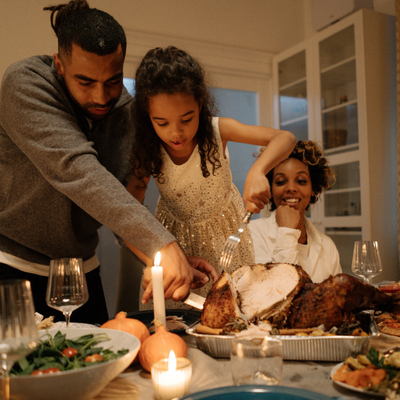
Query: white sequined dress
x,y
202,212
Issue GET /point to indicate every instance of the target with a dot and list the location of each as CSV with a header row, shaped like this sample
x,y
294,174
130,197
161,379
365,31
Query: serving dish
x,y
349,387
295,348
255,392
189,317
78,384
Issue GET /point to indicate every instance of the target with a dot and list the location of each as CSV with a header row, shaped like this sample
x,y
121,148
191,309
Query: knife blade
x,y
194,300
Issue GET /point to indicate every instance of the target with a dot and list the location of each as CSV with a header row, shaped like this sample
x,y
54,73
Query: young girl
x,y
183,146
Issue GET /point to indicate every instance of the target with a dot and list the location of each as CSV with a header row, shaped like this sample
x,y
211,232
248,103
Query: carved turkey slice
x,y
263,291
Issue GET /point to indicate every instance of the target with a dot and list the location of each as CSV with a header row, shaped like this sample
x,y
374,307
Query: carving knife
x,y
194,300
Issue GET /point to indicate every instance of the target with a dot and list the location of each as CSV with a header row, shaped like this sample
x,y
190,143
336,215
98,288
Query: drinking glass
x,y
256,361
66,288
366,260
18,331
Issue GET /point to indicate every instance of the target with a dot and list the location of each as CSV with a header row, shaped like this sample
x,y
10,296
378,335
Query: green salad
x,y
61,354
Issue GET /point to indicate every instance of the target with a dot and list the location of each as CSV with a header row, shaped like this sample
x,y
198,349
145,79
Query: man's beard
x,y
86,107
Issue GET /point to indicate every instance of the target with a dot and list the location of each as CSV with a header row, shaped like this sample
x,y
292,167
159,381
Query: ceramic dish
x,y
79,384
256,392
354,389
189,317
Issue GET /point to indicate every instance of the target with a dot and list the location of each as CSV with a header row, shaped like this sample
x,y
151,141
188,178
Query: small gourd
x,y
130,325
159,345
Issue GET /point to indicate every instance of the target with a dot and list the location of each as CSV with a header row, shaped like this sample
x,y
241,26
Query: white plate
x,y
354,389
78,384
62,325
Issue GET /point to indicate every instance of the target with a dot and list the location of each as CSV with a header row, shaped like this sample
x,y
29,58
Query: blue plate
x,y
256,393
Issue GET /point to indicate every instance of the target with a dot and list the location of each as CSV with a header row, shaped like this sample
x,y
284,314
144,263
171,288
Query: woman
x,y
286,235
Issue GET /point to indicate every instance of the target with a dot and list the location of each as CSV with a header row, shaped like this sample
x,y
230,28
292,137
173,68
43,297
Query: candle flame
x,y
157,259
172,361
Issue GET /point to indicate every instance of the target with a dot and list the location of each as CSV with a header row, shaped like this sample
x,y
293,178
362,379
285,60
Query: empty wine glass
x,y
66,288
18,331
366,259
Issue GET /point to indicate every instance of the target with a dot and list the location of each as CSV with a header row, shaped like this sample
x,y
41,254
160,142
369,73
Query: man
x,y
65,140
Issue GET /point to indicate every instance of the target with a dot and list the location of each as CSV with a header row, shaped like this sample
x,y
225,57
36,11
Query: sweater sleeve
x,y
285,250
269,247
38,117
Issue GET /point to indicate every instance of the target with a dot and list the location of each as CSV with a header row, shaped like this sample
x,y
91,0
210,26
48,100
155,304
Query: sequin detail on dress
x,y
202,212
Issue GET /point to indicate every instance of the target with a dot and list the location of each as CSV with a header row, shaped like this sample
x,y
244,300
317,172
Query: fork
x,y
232,242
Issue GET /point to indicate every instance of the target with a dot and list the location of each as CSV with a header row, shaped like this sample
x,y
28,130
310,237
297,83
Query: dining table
x,y
209,373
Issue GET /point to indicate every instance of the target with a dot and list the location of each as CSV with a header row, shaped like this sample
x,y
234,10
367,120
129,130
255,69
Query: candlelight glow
x,y
171,377
172,361
157,259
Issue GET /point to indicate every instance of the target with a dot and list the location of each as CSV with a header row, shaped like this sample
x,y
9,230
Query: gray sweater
x,y
59,179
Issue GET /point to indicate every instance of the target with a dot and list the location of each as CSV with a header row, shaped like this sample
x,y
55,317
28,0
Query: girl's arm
x,y
279,144
137,188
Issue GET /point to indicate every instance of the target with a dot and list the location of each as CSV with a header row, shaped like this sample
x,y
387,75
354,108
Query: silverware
x,y
232,242
194,300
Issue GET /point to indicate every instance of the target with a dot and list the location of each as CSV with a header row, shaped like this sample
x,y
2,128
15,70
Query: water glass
x,y
18,331
256,361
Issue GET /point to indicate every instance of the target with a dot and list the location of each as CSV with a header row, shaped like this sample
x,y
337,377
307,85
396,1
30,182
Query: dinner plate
x,y
256,392
354,389
62,325
189,317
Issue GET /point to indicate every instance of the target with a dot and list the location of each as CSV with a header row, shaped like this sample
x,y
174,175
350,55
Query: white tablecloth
x,y
210,373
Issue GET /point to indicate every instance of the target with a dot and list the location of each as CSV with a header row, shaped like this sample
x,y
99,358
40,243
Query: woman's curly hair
x,y
168,71
321,174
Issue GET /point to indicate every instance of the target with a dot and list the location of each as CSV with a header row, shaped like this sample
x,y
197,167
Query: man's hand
x,y
288,217
177,274
202,270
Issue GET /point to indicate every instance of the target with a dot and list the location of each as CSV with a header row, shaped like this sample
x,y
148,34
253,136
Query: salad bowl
x,y
82,383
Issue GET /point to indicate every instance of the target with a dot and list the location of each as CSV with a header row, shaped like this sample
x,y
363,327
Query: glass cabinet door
x,y
293,110
339,120
339,92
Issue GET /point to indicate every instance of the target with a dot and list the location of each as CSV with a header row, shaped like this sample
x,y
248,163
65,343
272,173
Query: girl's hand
x,y
202,269
288,217
257,192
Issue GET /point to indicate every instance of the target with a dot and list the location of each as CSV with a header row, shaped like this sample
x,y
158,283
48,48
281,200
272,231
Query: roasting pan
x,y
295,348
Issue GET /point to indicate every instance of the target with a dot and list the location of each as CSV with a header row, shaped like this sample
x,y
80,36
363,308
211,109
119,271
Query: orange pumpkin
x,y
158,346
133,326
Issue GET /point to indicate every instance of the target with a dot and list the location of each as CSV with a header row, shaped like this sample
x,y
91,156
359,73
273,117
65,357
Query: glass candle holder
x,y
171,380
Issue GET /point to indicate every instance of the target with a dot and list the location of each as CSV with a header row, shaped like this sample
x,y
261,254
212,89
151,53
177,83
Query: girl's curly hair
x,y
170,70
321,173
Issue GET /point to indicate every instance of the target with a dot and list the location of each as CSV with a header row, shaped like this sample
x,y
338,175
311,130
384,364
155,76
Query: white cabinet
x,y
339,89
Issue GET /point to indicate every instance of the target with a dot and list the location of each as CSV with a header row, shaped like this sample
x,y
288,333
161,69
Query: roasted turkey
x,y
285,295
334,301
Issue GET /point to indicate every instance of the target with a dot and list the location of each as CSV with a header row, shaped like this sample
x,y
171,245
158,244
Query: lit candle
x,y
171,377
158,290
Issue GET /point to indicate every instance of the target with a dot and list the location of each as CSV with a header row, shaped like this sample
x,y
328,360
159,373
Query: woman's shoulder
x,y
262,222
317,234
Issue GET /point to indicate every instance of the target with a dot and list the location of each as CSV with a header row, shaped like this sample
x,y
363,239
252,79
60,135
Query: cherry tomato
x,y
37,372
52,370
94,358
70,352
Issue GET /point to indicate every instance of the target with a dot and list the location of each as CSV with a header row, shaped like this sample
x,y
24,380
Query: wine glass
x,y
66,287
18,331
366,259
